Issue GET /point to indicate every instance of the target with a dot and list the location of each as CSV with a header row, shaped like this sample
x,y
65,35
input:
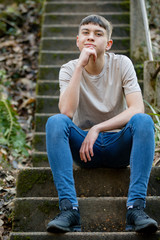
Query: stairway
x,y
101,192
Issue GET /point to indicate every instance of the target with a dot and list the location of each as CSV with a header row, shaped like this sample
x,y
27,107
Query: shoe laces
x,y
67,214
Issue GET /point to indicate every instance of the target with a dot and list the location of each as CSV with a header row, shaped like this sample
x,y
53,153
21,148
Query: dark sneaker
x,y
68,220
137,220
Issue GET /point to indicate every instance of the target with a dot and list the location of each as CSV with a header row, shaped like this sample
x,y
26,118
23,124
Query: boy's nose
x,y
91,37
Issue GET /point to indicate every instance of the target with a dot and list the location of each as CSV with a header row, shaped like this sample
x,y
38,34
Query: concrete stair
x,y
102,193
102,200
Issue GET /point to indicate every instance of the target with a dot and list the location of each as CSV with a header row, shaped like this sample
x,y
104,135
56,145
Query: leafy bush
x,y
155,114
12,137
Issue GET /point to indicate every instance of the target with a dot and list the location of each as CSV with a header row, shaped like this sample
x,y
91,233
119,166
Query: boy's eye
x,y
85,32
99,34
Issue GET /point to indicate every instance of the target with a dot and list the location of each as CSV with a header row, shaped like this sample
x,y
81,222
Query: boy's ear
x,y
77,42
109,44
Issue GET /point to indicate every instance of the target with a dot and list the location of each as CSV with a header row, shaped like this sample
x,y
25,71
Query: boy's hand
x,y
86,150
85,55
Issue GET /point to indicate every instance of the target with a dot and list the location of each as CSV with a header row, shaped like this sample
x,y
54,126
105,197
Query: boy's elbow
x,y
66,112
141,108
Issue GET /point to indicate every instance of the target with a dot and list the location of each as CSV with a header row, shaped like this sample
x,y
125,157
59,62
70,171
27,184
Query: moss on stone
x,y
38,141
139,71
125,43
125,6
39,158
48,73
56,30
124,17
158,179
45,207
40,105
27,179
20,238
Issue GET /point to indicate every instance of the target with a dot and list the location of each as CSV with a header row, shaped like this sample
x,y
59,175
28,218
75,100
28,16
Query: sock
x,y
75,208
129,207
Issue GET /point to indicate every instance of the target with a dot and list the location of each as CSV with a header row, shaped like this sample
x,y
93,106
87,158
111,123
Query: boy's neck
x,y
95,68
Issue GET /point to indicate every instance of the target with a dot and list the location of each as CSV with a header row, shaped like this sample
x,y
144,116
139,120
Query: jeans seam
x,y
76,128
83,135
122,132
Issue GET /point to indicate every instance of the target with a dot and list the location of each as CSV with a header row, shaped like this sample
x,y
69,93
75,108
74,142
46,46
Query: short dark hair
x,y
98,20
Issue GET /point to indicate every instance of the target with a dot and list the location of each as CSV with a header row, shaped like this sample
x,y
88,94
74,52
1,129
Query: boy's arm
x,y
69,99
135,105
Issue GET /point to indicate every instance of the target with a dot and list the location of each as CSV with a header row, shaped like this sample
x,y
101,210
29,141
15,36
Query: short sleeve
x,y
65,74
129,77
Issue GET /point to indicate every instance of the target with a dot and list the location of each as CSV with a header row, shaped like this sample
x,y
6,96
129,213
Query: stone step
x,y
84,236
48,57
39,159
72,30
97,214
69,43
82,6
40,121
39,142
47,104
69,18
107,182
48,87
51,72
48,72
57,57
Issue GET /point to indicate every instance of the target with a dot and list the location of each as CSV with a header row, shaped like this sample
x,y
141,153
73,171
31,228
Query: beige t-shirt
x,y
102,96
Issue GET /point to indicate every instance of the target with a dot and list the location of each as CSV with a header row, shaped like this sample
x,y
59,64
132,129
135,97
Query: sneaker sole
x,y
59,229
149,228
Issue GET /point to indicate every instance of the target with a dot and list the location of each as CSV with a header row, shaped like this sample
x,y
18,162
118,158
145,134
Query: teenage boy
x,y
102,124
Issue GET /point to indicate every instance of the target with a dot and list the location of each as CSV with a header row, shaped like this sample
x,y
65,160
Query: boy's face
x,y
91,35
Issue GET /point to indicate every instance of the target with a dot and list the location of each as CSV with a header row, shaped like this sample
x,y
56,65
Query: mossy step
x,y
40,121
69,18
38,182
61,57
40,159
47,88
69,43
72,30
51,88
97,214
51,72
57,57
84,236
81,6
48,72
47,104
39,142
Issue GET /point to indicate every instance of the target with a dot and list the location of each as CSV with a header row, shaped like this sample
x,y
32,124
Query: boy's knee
x,y
57,121
143,121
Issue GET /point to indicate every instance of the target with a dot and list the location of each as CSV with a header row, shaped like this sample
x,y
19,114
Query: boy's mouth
x,y
90,45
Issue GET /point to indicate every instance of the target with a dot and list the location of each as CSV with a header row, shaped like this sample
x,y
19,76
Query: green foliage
x,y
12,137
156,115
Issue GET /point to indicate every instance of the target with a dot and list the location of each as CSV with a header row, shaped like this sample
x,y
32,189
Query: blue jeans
x,y
133,145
